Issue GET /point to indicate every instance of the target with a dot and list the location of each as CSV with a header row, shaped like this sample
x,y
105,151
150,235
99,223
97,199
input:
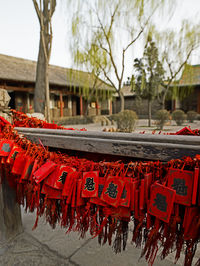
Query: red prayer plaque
x,y
141,195
90,184
182,182
97,200
19,164
195,186
44,171
161,202
113,190
69,183
74,194
147,183
6,147
28,167
35,167
51,178
79,200
11,157
52,193
133,185
125,197
63,171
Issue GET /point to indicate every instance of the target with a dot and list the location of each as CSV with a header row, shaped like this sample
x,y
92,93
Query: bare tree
x,y
44,10
176,49
105,30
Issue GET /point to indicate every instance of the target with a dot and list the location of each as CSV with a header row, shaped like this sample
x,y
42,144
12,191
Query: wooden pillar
x,y
61,104
28,102
198,102
97,107
10,212
110,105
81,105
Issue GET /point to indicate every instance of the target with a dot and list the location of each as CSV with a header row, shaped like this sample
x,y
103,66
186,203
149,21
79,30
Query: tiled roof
x,y
18,69
190,76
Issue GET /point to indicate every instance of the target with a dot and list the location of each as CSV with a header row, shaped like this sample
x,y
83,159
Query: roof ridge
x,y
34,61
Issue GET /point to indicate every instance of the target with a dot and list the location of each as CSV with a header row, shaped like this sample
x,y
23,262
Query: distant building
x,y
190,80
67,88
132,102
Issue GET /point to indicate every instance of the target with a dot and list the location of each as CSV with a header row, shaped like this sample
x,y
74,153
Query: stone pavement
x,y
141,125
53,247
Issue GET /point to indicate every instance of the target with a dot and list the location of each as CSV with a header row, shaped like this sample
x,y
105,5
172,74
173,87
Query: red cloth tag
x,y
141,195
113,190
161,202
11,157
3,160
6,147
79,200
35,167
191,223
182,182
74,193
72,187
51,192
44,171
66,192
90,184
19,163
125,197
133,185
51,178
122,212
136,204
97,200
195,186
28,167
147,183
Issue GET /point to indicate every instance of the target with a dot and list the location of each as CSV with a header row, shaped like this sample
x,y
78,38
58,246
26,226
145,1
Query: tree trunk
x,y
163,103
41,93
149,113
41,81
121,96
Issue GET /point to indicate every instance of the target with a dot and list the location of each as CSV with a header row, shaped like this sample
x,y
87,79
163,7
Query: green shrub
x,y
162,116
76,120
179,117
126,120
191,116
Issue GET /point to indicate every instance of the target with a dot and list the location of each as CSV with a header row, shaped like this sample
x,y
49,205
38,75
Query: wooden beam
x,y
14,88
146,147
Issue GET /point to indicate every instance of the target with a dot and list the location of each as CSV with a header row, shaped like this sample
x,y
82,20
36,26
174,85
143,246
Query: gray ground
x,y
45,246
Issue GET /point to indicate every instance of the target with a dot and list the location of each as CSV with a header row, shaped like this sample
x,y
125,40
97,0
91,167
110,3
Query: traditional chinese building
x,y
190,80
72,92
131,102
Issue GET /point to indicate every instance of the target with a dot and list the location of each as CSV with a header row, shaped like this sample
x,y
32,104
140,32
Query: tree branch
x,y
108,40
37,9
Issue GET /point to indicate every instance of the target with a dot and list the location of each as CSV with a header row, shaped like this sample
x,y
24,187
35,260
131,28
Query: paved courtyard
x,y
141,126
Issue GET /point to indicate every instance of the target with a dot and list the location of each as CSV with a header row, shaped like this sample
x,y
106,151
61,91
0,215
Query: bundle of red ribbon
x,y
22,120
161,200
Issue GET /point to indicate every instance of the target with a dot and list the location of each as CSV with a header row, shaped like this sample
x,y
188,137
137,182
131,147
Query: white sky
x,y
19,30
